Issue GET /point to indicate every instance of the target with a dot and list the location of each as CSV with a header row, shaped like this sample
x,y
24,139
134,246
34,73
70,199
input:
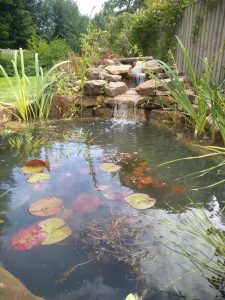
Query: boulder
x,y
154,69
93,74
114,89
104,112
165,115
12,289
86,101
109,62
147,88
86,112
112,78
95,87
61,106
6,114
118,70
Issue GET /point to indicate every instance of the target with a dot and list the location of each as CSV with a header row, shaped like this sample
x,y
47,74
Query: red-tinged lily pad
x,y
35,163
34,166
102,187
46,207
114,196
55,229
28,238
86,203
38,177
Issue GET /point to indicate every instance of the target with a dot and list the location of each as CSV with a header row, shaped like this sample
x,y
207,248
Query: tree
x,y
61,19
16,24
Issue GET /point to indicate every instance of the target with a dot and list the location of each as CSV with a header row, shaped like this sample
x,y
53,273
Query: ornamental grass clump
x,y
31,102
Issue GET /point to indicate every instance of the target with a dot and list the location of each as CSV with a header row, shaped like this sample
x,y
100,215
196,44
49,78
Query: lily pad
x,y
86,203
140,201
29,170
38,177
34,166
114,196
46,207
133,297
28,238
55,230
35,162
109,167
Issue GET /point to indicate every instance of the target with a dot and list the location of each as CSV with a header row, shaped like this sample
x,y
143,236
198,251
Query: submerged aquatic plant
x,y
208,254
31,102
213,151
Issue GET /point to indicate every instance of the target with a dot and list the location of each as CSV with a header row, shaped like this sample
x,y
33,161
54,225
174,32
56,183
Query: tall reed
x,y
209,99
30,102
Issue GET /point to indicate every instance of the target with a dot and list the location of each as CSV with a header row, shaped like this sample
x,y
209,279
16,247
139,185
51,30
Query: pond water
x,y
114,249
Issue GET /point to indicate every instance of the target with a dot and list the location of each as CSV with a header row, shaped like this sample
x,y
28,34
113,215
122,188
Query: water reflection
x,y
74,171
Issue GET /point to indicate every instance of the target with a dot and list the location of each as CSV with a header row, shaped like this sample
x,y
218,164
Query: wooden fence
x,y
210,36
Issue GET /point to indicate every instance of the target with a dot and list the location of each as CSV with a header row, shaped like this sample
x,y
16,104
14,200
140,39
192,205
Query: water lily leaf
x,y
114,196
38,177
86,203
109,167
29,170
35,162
133,297
34,166
102,187
140,201
28,238
46,207
55,230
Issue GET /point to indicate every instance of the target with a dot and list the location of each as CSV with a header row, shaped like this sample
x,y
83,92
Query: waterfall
x,y
124,113
137,71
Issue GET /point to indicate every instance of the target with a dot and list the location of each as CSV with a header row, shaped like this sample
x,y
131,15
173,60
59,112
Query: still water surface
x,y
101,271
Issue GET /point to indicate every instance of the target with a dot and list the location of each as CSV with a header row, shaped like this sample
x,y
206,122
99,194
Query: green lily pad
x,y
55,229
133,297
46,207
109,167
38,177
29,170
140,201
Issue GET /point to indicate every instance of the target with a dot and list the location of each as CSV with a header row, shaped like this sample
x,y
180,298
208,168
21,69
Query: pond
x,y
110,248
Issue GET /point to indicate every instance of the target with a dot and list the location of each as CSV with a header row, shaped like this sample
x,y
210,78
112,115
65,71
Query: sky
x,y
86,6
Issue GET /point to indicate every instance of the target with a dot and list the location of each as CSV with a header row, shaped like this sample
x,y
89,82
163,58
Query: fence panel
x,y
209,39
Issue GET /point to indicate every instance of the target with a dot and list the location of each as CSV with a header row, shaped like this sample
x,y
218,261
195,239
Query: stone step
x,y
130,60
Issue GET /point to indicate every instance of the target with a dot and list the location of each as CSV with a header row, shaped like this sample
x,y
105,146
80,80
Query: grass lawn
x,y
5,93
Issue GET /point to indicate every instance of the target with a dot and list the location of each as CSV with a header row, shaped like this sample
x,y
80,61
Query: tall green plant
x,y
209,99
30,102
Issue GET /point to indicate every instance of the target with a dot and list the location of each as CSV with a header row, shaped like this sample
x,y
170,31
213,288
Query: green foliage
x,y
207,252
48,52
16,24
6,63
61,19
209,99
30,104
148,31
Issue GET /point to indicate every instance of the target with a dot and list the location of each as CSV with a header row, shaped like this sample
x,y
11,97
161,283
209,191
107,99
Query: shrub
x,y
49,52
6,63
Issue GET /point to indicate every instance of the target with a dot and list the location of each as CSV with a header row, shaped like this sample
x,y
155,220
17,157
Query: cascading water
x,y
125,105
137,71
